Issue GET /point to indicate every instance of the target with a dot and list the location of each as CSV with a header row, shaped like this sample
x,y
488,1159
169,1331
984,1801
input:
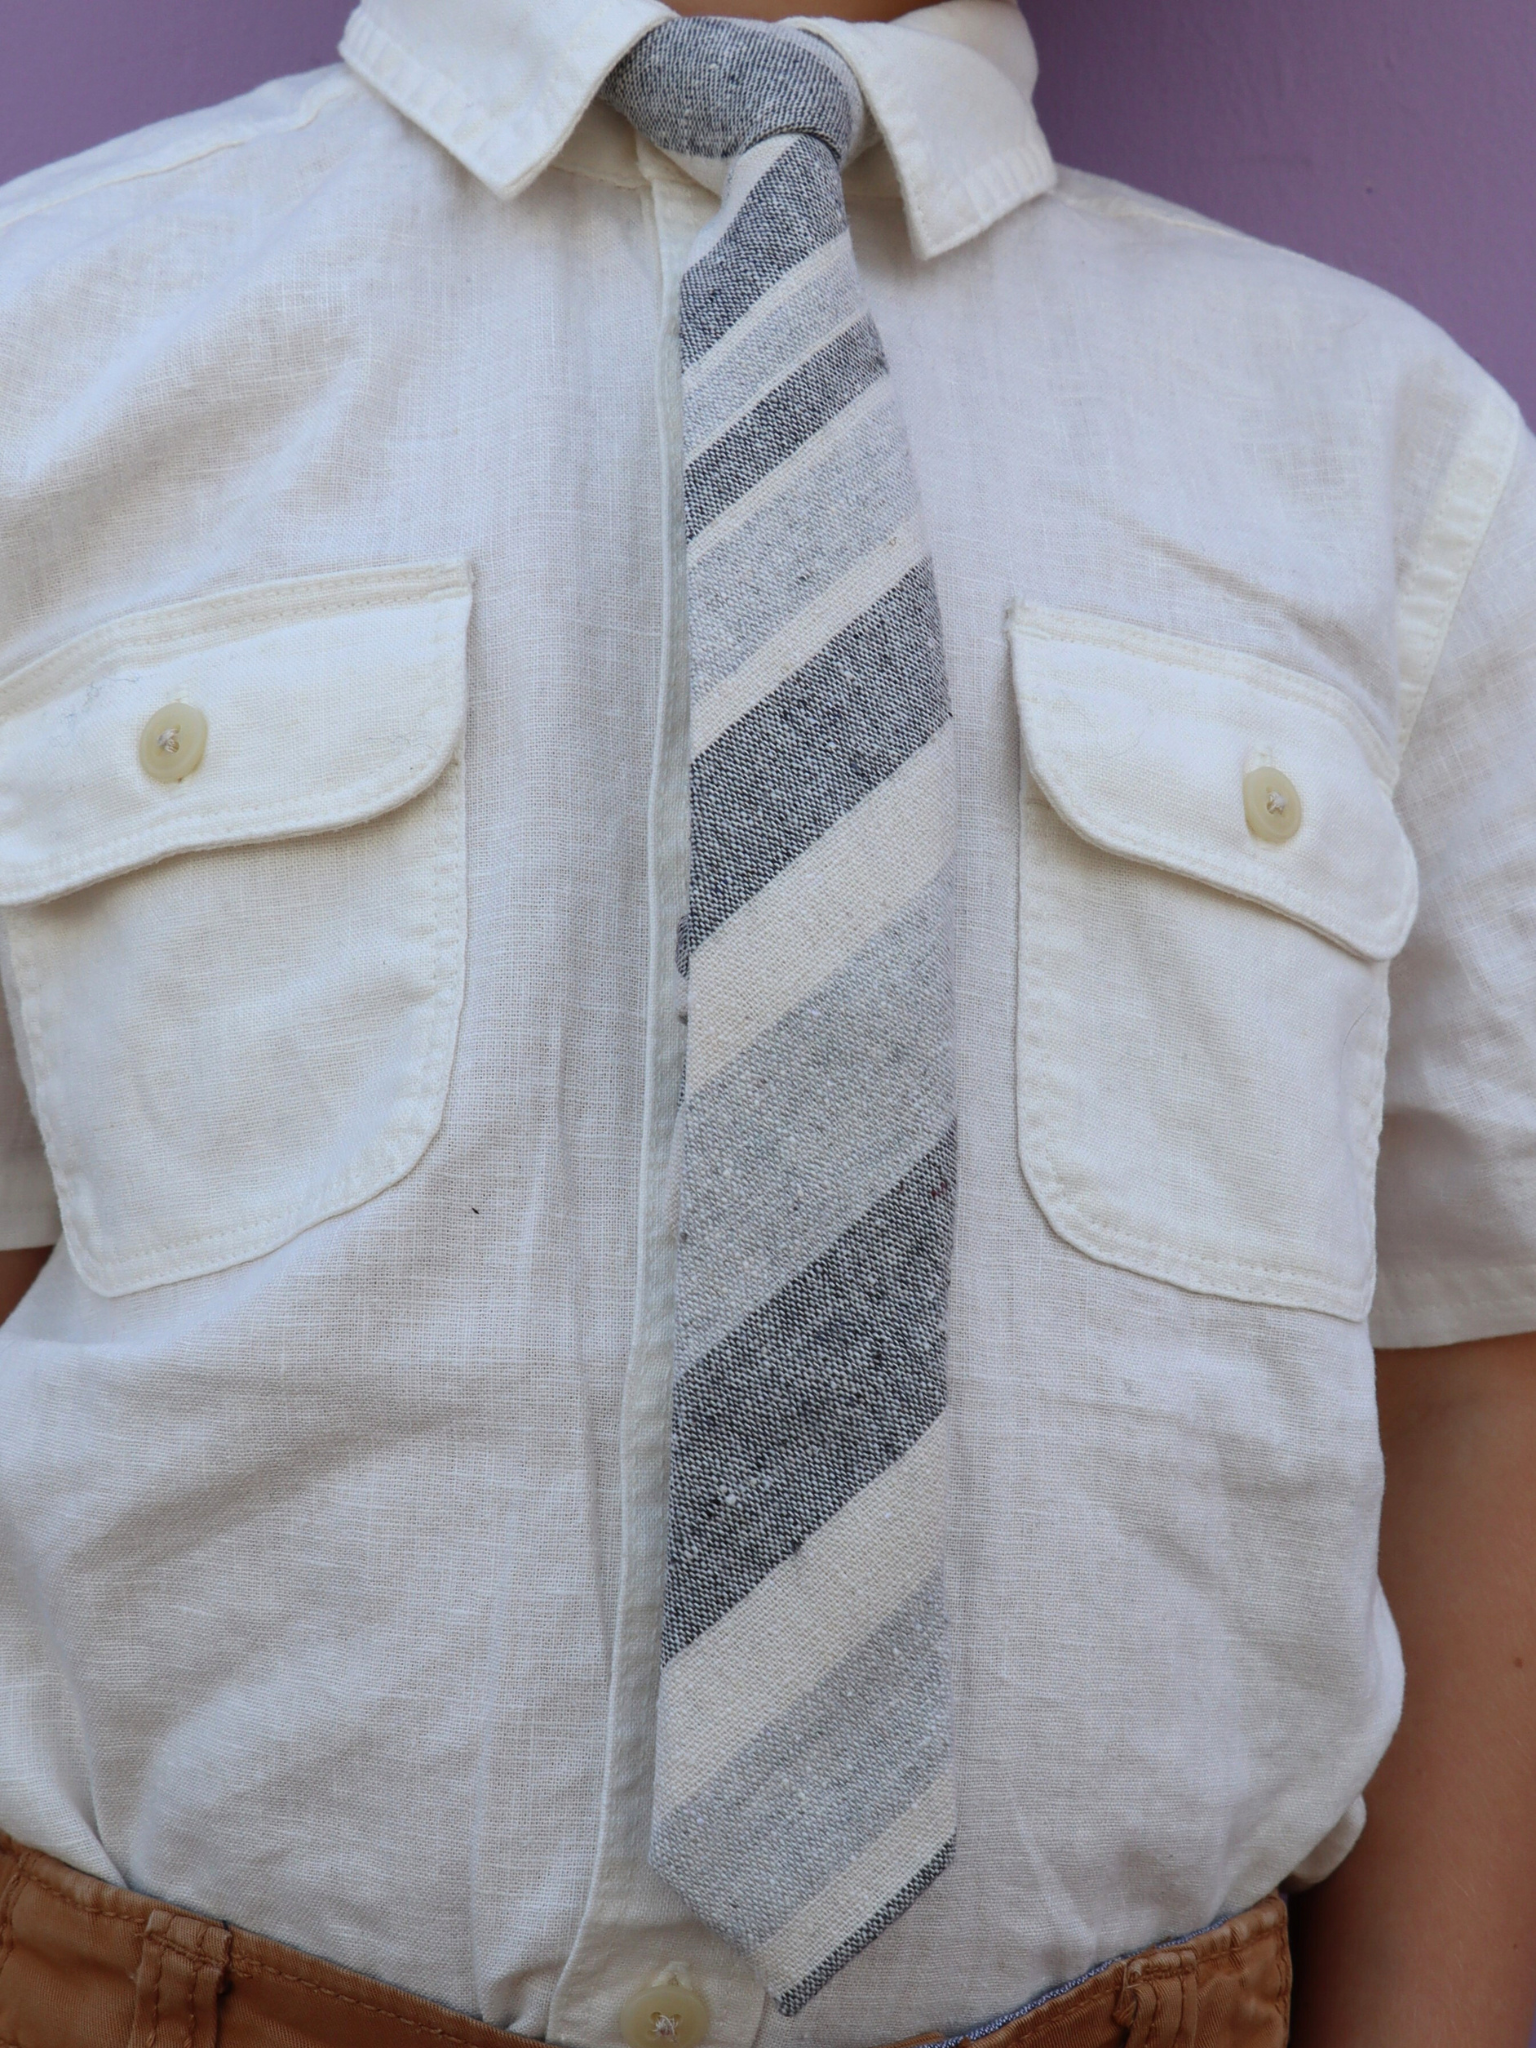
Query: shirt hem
x,y
29,1211
1427,1309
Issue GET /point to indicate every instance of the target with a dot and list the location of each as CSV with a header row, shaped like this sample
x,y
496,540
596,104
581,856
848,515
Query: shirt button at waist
x,y
664,2014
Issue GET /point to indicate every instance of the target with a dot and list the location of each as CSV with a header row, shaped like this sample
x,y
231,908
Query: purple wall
x,y
1393,137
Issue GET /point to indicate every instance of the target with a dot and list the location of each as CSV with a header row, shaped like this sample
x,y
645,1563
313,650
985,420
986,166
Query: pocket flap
x,y
328,700
1142,742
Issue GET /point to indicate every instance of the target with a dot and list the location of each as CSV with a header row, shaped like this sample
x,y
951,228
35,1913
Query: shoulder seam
x,y
309,109
1470,493
1132,207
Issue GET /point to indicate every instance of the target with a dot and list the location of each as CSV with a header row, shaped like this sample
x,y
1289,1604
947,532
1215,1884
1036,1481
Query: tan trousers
x,y
84,1965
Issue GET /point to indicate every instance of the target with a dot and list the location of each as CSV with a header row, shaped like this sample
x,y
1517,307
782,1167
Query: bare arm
x,y
17,1272
1427,1933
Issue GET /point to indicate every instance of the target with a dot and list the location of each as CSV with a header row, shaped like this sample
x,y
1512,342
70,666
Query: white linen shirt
x,y
332,1439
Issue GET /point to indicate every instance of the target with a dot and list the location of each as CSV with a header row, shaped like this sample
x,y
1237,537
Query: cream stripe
x,y
789,479
785,941
858,1892
805,635
803,277
736,190
799,315
800,1621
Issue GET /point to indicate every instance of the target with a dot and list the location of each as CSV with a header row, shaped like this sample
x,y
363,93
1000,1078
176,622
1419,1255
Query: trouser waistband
x,y
86,1965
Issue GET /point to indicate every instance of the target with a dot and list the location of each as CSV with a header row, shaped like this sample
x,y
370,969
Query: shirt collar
x,y
503,83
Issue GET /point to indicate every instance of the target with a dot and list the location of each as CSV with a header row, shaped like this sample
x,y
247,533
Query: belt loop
x,y
1159,2002
182,1970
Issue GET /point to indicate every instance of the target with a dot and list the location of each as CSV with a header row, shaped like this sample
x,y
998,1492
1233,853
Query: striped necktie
x,y
804,1789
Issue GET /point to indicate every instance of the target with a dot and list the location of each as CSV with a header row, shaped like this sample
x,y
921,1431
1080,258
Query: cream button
x,y
172,742
665,2012
1271,805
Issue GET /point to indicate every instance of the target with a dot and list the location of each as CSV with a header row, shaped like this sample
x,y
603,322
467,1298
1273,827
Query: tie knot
x,y
703,86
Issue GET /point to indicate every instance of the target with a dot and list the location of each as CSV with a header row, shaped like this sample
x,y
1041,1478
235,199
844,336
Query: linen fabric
x,y
87,1965
331,1580
804,1785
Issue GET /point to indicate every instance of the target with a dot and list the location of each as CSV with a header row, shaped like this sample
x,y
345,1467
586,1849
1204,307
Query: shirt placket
x,y
635,1930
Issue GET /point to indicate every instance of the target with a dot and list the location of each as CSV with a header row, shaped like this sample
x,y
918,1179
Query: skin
x,y
17,1272
1422,1939
1424,1936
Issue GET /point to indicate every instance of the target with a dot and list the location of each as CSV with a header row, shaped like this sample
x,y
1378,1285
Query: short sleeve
x,y
1456,1189
29,1214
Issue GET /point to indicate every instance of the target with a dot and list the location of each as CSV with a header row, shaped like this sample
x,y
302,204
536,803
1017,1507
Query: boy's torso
x,y
334,1453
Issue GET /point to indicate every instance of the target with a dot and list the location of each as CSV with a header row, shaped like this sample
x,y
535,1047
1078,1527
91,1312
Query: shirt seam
x,y
1419,1273
315,104
1470,494
1137,208
1054,624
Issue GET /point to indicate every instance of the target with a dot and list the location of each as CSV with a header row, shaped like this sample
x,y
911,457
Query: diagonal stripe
x,y
846,1579
813,300
809,1400
807,402
846,887
812,1123
795,206
922,1841
797,482
813,749
872,1737
746,587
804,635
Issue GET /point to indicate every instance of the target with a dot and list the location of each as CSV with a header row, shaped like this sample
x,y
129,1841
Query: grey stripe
x,y
816,1119
871,1737
791,2002
712,88
813,749
808,399
814,1396
744,588
795,207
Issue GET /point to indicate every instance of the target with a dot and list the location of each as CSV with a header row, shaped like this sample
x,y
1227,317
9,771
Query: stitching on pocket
x,y
230,823
1043,1111
1052,627
411,1128
1059,772
201,622
1282,1284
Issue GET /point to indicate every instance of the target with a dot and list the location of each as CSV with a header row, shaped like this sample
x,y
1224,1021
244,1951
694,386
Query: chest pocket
x,y
1212,882
232,877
